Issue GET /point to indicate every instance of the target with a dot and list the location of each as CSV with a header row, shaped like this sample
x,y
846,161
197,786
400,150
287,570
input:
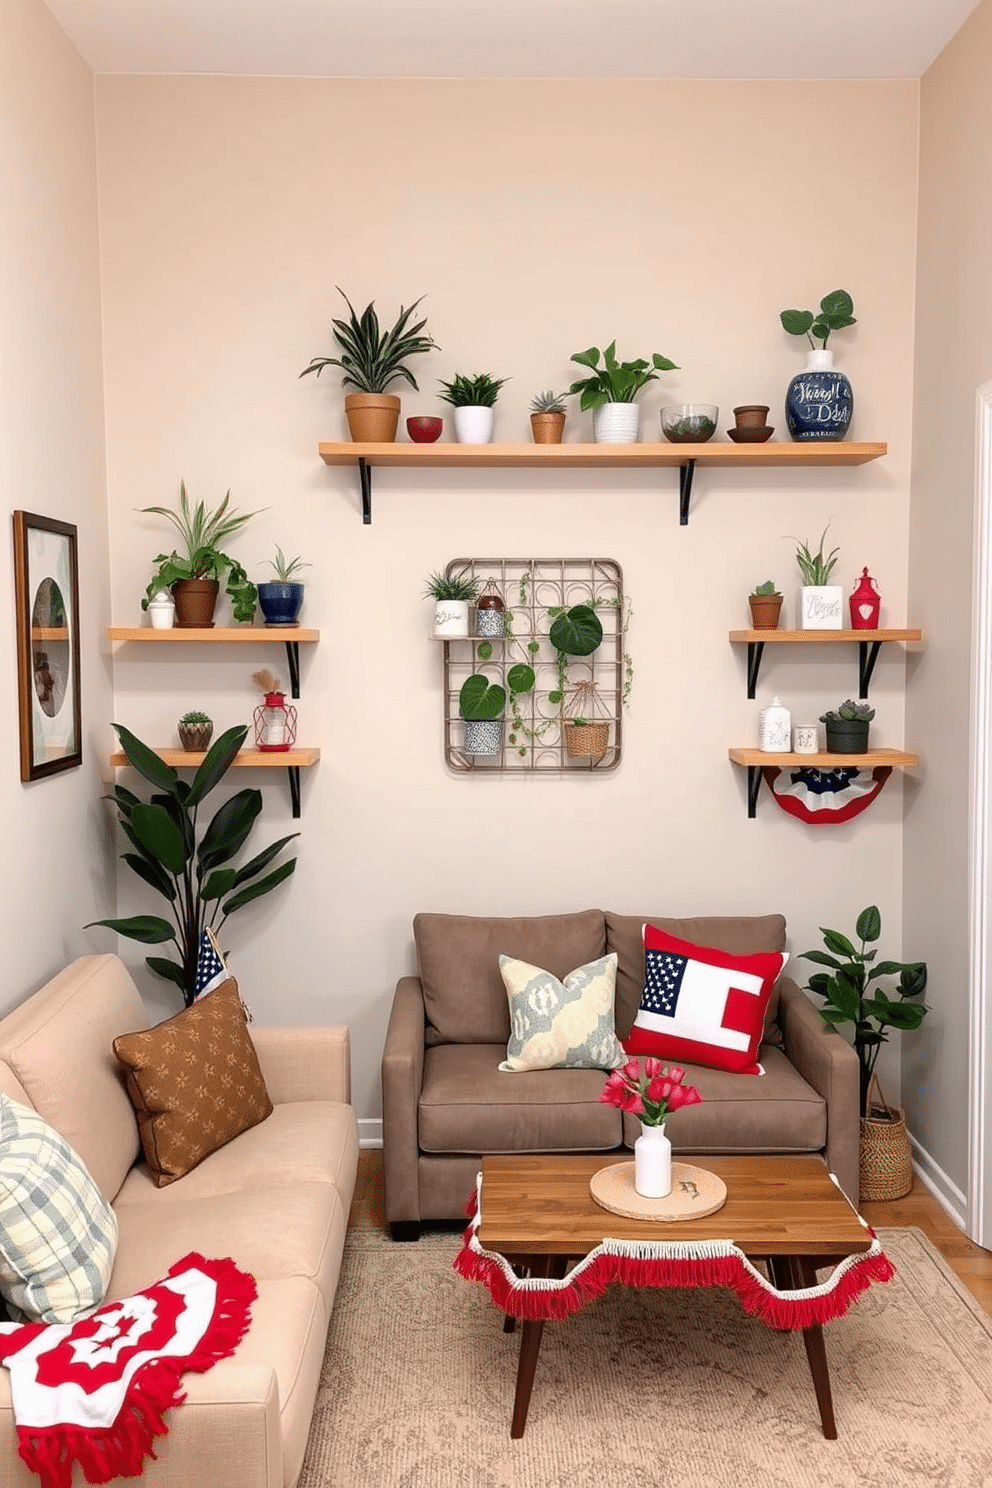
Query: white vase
x,y
450,617
616,423
775,728
162,613
473,425
821,607
653,1163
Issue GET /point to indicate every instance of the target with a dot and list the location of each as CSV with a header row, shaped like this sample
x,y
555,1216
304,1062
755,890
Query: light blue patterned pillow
x,y
58,1234
561,1025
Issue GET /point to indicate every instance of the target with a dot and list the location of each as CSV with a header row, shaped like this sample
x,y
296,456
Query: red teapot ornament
x,y
866,604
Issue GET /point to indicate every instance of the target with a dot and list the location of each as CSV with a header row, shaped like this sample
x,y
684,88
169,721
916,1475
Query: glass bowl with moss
x,y
689,423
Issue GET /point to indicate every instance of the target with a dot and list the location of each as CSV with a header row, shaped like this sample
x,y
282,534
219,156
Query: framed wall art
x,y
46,580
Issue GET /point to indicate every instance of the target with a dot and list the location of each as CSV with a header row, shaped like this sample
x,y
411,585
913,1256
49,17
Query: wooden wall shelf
x,y
290,636
291,760
868,642
757,760
683,457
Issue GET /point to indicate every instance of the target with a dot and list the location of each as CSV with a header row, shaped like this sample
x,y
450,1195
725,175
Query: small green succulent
x,y
452,586
848,711
548,402
195,717
768,587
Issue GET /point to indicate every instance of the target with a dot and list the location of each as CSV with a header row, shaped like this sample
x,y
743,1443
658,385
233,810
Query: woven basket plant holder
x,y
886,1171
587,740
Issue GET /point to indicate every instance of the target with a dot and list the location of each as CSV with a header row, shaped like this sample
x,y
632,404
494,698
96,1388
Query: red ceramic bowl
x,y
424,430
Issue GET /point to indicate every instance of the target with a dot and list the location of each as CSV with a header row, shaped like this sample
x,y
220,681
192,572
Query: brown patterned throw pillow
x,y
194,1081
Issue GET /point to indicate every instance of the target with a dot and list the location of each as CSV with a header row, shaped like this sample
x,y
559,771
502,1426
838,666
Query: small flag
x,y
211,968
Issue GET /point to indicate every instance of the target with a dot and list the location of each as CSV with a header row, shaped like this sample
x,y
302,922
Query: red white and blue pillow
x,y
701,1005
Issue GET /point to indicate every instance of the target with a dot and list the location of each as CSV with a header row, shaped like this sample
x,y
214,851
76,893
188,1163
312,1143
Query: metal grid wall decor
x,y
534,592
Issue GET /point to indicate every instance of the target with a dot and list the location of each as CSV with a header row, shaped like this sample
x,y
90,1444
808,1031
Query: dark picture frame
x,y
46,589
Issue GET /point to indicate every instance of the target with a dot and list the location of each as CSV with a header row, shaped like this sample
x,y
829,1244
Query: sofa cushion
x,y
702,1004
195,1082
561,1024
789,1117
67,1026
467,1104
58,1233
741,935
459,956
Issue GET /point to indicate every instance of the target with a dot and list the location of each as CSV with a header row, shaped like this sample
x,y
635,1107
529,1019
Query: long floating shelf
x,y
291,760
757,760
288,635
683,457
868,641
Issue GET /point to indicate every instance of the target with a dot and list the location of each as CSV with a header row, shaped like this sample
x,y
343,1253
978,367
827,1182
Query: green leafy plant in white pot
x,y
611,390
481,704
473,400
820,602
453,595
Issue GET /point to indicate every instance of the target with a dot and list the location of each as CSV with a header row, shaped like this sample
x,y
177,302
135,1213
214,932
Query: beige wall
x,y
57,864
953,358
535,224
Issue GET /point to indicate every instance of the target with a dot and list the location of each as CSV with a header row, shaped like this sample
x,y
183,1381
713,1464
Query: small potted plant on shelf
x,y
281,599
611,389
193,576
452,595
372,358
473,400
847,727
195,731
886,1171
547,417
820,601
481,705
766,605
819,401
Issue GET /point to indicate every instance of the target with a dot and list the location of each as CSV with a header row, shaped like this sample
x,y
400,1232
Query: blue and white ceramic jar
x,y
820,401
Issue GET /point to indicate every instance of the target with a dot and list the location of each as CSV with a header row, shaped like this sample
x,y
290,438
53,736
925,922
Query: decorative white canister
x,y
775,728
162,610
821,607
451,618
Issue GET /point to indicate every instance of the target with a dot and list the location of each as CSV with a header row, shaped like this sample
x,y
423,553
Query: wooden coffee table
x,y
538,1214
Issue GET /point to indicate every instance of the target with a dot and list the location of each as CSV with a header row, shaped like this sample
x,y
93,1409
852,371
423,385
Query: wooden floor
x,y
971,1263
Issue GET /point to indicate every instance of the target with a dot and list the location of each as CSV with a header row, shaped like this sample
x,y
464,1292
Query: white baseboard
x,y
370,1132
935,1180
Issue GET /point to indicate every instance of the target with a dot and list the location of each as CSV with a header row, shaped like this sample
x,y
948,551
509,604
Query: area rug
x,y
654,1388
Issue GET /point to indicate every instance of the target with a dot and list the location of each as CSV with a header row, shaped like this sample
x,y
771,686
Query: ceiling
x,y
514,38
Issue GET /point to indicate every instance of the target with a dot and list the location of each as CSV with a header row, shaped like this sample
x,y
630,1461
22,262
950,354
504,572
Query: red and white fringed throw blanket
x,y
94,1391
669,1263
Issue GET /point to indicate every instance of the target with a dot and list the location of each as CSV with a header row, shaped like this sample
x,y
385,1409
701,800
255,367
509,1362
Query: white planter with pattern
x,y
616,423
451,618
484,736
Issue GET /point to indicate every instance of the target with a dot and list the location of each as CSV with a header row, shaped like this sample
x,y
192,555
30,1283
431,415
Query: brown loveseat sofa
x,y
275,1199
445,1102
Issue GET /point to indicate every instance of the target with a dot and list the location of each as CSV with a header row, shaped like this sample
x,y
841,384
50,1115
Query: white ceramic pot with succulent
x,y
452,595
473,400
611,390
820,602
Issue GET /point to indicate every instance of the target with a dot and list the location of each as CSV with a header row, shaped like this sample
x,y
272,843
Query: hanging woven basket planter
x,y
585,724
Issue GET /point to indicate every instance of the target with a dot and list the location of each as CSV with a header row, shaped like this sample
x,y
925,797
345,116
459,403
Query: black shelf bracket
x,y
365,476
293,771
293,662
753,787
755,650
868,657
686,472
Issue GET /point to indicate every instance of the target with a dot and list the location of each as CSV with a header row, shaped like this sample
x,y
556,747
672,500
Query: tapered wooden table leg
x,y
816,1353
530,1345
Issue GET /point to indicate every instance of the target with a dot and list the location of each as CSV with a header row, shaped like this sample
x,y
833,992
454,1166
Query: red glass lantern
x,y
275,722
866,604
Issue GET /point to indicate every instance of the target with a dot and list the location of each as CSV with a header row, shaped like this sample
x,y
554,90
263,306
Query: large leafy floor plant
x,y
190,868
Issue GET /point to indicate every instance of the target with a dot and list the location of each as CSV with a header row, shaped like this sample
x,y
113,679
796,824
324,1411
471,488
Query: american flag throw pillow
x,y
702,1005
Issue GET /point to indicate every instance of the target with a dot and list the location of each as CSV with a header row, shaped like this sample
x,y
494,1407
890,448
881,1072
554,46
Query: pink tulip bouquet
x,y
652,1093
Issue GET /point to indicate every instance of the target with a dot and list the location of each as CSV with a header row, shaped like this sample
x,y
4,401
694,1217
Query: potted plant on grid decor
x,y
473,400
611,389
820,602
372,358
845,987
452,595
481,705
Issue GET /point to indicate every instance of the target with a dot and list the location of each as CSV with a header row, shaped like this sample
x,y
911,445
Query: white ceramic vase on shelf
x,y
653,1163
451,617
473,424
616,423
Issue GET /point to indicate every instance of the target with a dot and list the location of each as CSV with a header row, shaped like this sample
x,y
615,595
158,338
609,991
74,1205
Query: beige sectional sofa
x,y
275,1199
445,1102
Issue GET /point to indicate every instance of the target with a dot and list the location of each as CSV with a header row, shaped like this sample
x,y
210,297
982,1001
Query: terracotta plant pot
x,y
547,427
751,415
372,417
765,610
196,600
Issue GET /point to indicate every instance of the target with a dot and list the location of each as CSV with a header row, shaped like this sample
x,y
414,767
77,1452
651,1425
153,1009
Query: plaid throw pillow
x,y
58,1234
195,1082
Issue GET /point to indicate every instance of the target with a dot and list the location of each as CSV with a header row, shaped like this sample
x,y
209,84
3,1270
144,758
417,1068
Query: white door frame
x,y
980,835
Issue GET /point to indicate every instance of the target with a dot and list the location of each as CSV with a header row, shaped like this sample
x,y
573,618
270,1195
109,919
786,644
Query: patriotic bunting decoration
x,y
94,1391
825,797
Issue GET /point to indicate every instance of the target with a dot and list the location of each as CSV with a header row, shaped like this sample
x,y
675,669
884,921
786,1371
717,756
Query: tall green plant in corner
x,y
190,868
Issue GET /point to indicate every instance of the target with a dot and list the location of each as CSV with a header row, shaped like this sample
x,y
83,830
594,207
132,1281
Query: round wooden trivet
x,y
695,1192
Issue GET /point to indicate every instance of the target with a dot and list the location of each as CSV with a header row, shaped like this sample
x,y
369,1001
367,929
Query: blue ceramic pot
x,y
820,401
280,603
